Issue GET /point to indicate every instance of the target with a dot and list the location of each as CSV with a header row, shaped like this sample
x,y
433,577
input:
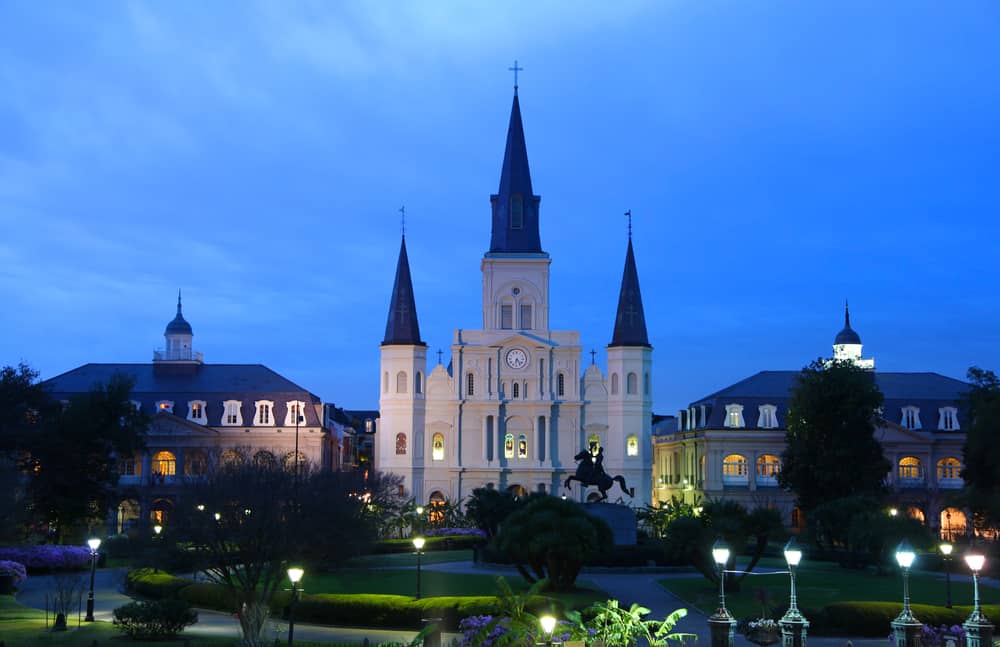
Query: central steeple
x,y
515,206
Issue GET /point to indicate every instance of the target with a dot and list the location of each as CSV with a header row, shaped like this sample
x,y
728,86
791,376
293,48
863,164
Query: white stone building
x,y
515,402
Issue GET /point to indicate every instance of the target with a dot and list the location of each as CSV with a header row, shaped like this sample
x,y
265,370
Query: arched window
x,y
614,384
288,462
164,464
437,502
519,491
195,462
437,447
508,446
561,384
949,472
631,384
231,458
160,511
522,446
910,469
128,514
734,470
525,316
914,512
265,415
264,458
385,382
632,445
400,444
417,383
470,384
515,390
401,382
768,466
953,524
130,466
734,416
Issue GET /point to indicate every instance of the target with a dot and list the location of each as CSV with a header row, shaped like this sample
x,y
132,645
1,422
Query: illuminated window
x,y
437,447
522,446
508,446
734,416
631,384
767,417
949,472
948,419
233,414
288,462
437,504
506,316
632,445
164,464
911,417
165,406
400,444
196,411
768,466
265,412
295,413
734,470
128,514
910,469
195,462
401,382
264,459
231,458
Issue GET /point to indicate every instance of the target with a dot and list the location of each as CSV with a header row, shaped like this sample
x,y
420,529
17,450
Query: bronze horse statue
x,y
590,471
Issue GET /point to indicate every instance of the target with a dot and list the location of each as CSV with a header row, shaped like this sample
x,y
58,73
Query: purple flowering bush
x,y
48,557
934,636
14,568
455,532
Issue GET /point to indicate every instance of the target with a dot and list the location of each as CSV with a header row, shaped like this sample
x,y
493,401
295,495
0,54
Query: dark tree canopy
x,y
831,451
488,507
982,451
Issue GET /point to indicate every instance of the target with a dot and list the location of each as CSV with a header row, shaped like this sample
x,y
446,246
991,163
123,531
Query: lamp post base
x,y
793,631
978,631
722,628
906,633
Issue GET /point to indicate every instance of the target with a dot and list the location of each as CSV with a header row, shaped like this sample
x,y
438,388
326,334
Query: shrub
x,y
153,619
377,610
47,557
208,596
455,532
14,568
871,619
154,584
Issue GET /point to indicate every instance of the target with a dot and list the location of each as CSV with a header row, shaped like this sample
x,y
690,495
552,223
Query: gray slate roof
x,y
630,319
402,327
515,179
213,383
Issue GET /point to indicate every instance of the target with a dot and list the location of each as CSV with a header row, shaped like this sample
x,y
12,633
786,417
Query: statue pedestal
x,y
621,519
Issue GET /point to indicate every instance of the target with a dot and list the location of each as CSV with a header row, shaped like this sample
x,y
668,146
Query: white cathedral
x,y
515,403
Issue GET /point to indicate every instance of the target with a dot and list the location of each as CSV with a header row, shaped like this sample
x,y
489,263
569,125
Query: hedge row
x,y
871,619
450,542
154,584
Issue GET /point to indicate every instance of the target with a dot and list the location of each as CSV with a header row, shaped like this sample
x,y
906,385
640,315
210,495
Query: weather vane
x,y
515,70
628,214
402,218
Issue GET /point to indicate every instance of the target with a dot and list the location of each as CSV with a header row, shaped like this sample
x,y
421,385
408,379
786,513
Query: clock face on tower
x,y
516,358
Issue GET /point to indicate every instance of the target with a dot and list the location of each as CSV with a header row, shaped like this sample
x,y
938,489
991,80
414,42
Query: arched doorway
x,y
953,524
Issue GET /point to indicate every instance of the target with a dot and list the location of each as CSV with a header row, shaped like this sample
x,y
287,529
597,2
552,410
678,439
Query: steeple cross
x,y
439,355
402,218
593,356
515,70
628,214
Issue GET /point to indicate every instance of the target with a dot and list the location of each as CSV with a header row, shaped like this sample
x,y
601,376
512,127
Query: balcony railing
x,y
176,356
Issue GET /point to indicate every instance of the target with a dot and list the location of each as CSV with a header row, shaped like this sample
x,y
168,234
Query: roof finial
x,y
628,214
847,315
178,300
515,70
402,219
593,356
439,356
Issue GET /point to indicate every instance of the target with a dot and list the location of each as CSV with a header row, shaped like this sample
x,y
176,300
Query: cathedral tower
x,y
403,371
630,400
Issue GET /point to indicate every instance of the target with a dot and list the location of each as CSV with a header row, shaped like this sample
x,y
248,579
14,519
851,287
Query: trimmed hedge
x,y
449,542
155,585
388,611
871,619
207,595
154,619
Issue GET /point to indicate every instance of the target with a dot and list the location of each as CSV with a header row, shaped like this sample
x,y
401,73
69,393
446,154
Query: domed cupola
x,y
847,335
179,336
847,345
178,325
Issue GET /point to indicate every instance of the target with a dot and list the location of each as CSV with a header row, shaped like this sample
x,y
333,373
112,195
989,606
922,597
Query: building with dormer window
x,y
515,402
202,414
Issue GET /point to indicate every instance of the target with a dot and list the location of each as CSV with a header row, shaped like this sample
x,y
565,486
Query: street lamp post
x,y
946,549
418,543
721,624
94,545
294,576
906,628
548,624
157,529
978,628
793,623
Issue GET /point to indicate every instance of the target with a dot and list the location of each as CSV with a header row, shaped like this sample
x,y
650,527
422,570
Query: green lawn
x,y
820,584
408,559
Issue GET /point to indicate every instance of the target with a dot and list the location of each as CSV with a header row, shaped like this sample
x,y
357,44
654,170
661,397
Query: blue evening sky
x,y
779,157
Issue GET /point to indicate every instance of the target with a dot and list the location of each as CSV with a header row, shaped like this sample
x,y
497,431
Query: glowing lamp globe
x,y
418,543
946,548
905,555
720,552
420,509
295,575
793,554
94,544
975,560
548,624
157,529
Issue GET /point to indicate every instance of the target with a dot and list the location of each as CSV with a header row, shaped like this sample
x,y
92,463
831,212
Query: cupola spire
x,y
401,328
515,206
630,320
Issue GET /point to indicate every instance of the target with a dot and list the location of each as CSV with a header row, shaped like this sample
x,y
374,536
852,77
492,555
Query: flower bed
x,y
46,558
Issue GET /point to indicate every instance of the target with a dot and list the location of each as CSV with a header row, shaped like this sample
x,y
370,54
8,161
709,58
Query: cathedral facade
x,y
515,404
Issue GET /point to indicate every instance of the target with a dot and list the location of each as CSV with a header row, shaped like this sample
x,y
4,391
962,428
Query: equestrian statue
x,y
590,471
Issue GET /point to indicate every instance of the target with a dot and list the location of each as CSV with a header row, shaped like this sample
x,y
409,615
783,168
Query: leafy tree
x,y
23,402
861,533
830,448
69,456
656,519
333,507
981,451
488,507
551,538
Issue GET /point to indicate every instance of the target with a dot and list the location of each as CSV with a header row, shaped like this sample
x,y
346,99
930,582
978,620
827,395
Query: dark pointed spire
x,y
630,321
178,325
515,206
402,328
847,335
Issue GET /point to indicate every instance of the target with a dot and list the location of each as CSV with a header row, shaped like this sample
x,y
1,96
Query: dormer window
x,y
196,411
295,412
265,413
516,212
734,416
911,417
948,419
136,405
767,417
233,414
165,406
